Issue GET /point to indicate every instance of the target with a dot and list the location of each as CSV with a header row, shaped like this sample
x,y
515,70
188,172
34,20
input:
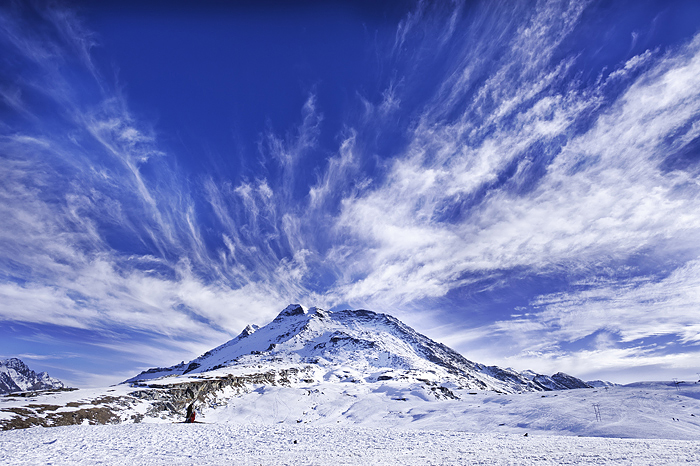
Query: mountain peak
x,y
291,310
14,363
248,330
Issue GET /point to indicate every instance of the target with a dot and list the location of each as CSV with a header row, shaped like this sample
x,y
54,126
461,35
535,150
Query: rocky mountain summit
x,y
15,376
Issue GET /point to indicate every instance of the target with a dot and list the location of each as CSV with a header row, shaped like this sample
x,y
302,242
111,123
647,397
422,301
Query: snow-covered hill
x,y
15,376
360,345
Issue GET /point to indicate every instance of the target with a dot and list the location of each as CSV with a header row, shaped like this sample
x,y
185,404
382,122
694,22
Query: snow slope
x,y
343,422
173,444
15,376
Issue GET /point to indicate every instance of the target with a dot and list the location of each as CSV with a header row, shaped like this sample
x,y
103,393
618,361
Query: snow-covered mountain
x,y
361,346
351,369
15,376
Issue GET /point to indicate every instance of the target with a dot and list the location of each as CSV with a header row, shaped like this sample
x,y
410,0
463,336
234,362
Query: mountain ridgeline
x,y
359,346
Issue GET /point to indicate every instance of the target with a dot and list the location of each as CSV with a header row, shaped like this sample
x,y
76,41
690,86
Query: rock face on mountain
x,y
357,345
15,376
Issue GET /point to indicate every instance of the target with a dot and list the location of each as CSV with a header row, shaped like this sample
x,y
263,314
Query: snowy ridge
x,y
362,344
15,376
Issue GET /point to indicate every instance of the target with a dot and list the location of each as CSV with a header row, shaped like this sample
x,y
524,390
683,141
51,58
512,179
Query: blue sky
x,y
519,180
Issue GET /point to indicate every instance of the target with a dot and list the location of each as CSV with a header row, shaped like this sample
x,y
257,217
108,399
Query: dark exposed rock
x,y
46,416
191,367
291,310
30,394
444,393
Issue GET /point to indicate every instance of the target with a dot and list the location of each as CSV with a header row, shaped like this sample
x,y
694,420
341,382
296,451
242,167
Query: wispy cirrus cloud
x,y
535,173
100,231
505,162
634,309
624,329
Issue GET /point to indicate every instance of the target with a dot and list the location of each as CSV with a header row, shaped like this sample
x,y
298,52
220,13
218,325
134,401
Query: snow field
x,y
184,444
347,423
653,410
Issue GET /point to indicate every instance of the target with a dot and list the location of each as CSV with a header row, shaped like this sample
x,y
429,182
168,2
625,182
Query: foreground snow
x,y
350,423
269,444
642,410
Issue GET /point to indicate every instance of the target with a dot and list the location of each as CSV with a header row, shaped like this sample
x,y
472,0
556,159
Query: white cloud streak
x,y
64,189
497,175
605,196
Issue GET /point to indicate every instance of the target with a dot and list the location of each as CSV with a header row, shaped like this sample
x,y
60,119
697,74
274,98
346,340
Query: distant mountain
x,y
360,346
601,383
15,376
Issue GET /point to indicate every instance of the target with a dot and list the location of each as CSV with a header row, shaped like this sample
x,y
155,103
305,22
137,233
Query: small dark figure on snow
x,y
190,414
